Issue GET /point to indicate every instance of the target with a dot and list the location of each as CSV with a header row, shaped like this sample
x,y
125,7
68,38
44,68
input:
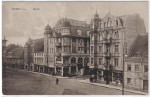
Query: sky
x,y
19,25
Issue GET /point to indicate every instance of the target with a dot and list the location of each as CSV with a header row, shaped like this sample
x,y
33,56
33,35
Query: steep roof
x,y
139,47
39,45
74,26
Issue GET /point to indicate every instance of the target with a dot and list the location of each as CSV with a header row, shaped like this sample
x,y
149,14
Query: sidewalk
x,y
113,87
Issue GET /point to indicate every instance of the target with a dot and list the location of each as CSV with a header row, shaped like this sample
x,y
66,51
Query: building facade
x,y
113,35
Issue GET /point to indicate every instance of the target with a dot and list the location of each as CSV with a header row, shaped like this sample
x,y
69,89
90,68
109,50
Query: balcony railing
x,y
58,54
66,44
107,40
107,54
66,54
58,44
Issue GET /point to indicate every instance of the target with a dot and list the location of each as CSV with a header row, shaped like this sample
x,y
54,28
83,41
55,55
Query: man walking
x,y
57,80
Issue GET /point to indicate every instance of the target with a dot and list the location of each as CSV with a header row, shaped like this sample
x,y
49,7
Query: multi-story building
x,y
66,47
39,61
31,47
14,61
108,38
136,65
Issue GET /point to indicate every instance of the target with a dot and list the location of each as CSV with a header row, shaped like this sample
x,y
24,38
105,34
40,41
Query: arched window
x,y
80,60
73,60
86,60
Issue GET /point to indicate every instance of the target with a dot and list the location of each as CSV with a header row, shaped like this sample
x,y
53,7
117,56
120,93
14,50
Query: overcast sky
x,y
18,25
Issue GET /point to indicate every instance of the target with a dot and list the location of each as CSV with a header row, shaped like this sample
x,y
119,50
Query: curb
x,y
113,87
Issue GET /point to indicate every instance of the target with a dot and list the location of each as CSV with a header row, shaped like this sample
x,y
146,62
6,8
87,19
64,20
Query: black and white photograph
x,y
75,47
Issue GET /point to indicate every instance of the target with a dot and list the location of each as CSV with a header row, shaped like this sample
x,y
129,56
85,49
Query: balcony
x,y
58,54
107,54
58,44
66,53
107,40
66,44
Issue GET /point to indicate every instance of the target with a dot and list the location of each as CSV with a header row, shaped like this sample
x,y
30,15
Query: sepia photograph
x,y
75,48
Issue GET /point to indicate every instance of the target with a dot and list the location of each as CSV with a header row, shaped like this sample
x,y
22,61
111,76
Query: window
x,y
117,22
100,49
116,35
92,39
100,61
129,67
116,61
108,49
79,32
107,62
104,24
110,23
145,68
88,33
136,67
100,25
92,49
92,60
116,48
78,49
128,80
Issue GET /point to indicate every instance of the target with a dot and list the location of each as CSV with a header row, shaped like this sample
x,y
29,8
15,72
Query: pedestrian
x,y
57,80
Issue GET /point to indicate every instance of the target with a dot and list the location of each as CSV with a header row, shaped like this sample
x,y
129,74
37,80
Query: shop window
x,y
129,67
128,80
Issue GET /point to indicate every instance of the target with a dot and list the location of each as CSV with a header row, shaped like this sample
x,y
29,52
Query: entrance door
x,y
145,84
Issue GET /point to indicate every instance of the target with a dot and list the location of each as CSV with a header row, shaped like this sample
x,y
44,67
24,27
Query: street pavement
x,y
19,82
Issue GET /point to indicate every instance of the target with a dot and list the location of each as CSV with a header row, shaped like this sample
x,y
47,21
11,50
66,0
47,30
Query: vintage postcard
x,y
74,48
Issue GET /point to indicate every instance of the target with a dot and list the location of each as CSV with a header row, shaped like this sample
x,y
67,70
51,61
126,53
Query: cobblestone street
x,y
19,82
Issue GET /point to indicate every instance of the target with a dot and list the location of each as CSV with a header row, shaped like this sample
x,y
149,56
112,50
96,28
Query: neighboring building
x,y
39,62
136,65
14,61
31,47
107,39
